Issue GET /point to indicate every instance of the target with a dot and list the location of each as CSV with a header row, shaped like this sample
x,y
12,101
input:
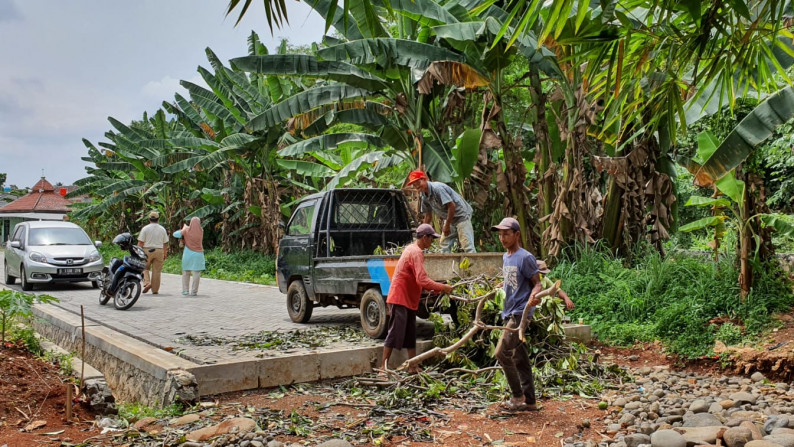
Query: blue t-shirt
x,y
518,270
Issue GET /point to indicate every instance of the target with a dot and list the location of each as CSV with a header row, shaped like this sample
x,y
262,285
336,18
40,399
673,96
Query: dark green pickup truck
x,y
326,256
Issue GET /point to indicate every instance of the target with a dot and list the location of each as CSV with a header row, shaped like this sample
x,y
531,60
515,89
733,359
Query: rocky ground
x,y
665,403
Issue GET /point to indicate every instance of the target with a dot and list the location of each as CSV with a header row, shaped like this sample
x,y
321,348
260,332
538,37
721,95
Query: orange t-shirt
x,y
410,279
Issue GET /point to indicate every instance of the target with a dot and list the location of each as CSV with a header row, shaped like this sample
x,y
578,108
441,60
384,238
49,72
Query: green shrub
x,y
244,266
729,333
16,308
671,299
136,411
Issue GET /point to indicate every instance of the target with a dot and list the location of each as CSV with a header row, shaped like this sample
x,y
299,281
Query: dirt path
x,y
32,390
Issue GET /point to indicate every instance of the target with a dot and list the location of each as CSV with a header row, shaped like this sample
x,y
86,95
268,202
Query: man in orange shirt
x,y
405,292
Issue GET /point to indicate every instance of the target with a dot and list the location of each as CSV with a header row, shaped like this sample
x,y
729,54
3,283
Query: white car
x,y
45,252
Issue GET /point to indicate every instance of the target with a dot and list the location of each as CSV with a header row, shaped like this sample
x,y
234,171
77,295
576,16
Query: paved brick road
x,y
222,308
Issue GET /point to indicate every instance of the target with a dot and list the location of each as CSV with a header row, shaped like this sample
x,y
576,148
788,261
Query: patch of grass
x,y
670,299
62,360
25,335
243,266
135,411
17,308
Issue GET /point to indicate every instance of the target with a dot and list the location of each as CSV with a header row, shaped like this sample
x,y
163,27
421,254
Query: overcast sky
x,y
68,65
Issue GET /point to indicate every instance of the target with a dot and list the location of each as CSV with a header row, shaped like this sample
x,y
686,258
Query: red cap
x,y
416,175
426,230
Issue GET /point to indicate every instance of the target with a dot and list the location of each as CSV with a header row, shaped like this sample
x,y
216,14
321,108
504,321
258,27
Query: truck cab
x,y
326,255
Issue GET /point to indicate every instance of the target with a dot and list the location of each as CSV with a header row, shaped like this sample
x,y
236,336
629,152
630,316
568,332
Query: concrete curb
x,y
139,372
134,370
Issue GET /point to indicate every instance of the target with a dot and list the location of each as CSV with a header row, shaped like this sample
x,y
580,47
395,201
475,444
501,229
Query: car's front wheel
x,y
9,280
299,306
374,316
23,279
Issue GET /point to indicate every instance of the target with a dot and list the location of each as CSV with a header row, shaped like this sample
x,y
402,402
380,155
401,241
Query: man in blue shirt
x,y
521,285
439,198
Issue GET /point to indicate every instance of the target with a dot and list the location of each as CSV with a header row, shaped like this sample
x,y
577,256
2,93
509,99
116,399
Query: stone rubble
x,y
664,408
661,408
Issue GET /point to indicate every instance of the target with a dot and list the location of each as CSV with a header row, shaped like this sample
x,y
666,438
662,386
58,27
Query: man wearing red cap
x,y
405,291
439,198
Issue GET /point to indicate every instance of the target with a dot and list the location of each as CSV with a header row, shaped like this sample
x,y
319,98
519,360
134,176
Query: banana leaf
x,y
210,102
357,167
707,201
751,131
389,53
342,22
304,102
437,162
732,187
700,224
306,65
465,153
306,168
782,223
328,142
369,117
425,12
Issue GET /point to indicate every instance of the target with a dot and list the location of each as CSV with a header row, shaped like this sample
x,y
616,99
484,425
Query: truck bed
x,y
343,274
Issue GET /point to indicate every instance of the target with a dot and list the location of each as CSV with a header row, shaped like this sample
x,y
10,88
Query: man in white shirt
x,y
154,241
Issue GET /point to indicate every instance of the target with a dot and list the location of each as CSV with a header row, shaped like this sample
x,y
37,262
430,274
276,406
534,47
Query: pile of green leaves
x,y
282,341
560,366
670,299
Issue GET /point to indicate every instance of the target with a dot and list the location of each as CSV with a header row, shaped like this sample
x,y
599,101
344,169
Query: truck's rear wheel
x,y
298,304
374,319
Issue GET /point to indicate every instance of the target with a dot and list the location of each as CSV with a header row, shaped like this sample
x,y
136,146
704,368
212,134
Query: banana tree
x,y
740,215
129,175
250,196
368,83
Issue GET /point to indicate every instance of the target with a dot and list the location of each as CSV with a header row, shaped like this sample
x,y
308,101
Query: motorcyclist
x,y
117,267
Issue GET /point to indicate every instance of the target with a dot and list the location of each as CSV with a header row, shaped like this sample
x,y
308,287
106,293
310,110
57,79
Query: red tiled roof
x,y
43,185
42,199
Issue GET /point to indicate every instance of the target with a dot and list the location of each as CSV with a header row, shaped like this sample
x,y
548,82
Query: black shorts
x,y
402,328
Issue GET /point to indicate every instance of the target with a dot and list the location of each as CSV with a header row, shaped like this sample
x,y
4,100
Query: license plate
x,y
74,271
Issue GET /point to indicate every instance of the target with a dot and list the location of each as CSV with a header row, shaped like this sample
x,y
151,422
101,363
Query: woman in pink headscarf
x,y
193,256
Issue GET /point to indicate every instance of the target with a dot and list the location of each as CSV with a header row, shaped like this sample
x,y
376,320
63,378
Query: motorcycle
x,y
121,280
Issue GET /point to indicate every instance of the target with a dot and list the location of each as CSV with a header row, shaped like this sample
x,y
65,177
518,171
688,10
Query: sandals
x,y
512,406
521,406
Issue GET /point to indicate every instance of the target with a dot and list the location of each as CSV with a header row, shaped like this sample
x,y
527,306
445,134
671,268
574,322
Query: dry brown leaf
x,y
35,425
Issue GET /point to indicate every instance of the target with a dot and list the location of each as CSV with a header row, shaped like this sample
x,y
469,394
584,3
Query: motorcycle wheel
x,y
104,282
127,295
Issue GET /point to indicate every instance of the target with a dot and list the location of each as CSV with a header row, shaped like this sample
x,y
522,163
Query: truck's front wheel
x,y
298,304
373,314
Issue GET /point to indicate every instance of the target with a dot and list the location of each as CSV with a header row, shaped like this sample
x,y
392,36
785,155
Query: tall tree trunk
x,y
271,215
544,162
515,174
226,242
575,215
745,242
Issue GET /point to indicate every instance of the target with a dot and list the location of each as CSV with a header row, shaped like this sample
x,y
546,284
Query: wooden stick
x,y
476,327
551,291
82,353
68,402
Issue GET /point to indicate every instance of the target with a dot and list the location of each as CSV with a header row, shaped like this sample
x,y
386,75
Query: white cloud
x,y
73,64
165,88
